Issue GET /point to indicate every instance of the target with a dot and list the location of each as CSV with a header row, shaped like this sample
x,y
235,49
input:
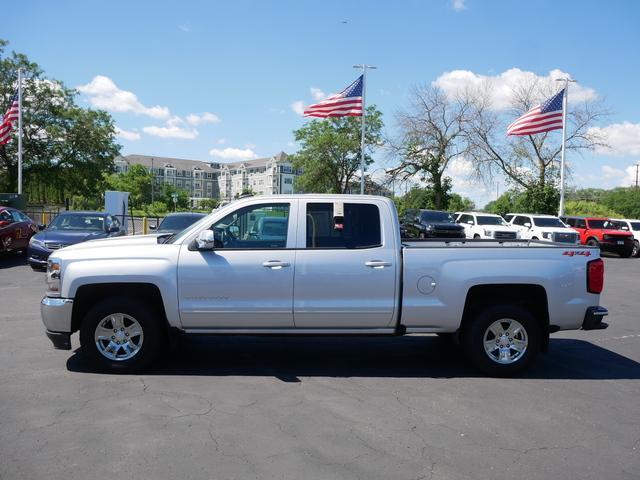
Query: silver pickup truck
x,y
327,264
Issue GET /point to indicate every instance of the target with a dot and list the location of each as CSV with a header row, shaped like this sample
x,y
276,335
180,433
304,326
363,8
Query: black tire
x,y
153,341
474,335
448,337
636,249
535,238
476,236
593,242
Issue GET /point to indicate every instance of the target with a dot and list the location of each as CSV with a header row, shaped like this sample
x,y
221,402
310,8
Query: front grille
x,y
505,235
565,237
442,233
54,245
617,237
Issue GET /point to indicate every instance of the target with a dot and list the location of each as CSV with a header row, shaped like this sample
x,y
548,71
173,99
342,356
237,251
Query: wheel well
x,y
88,295
529,296
592,238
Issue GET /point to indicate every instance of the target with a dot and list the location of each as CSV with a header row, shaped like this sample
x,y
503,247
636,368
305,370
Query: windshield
x,y
443,217
486,220
548,222
635,226
78,221
179,222
602,224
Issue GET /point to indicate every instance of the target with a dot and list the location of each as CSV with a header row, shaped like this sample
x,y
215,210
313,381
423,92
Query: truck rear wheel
x,y
636,249
502,340
121,335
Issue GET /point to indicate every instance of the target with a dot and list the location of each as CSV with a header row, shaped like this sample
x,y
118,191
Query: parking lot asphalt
x,y
320,408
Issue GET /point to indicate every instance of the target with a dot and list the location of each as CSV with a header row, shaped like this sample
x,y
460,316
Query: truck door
x,y
247,280
346,266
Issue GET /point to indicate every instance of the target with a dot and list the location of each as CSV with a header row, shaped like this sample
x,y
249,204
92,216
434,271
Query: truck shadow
x,y
421,357
13,259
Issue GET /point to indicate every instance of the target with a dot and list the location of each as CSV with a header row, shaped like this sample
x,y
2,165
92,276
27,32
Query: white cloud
x,y
461,172
622,138
127,134
198,118
221,141
298,107
230,153
458,5
317,94
171,131
502,85
184,28
618,176
104,93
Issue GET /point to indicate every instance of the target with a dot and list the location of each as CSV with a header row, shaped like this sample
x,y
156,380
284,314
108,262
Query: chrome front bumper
x,y
56,313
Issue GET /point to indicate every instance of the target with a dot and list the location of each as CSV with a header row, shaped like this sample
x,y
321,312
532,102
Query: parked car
x,y
70,228
632,226
176,222
15,230
543,227
486,225
603,233
431,224
339,268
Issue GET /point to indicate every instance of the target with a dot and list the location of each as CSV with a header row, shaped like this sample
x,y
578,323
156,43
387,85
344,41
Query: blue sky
x,y
219,80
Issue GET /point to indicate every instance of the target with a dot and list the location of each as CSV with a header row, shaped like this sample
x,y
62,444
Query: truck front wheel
x,y
121,335
502,340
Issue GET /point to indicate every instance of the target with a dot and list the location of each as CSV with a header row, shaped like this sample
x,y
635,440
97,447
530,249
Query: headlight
x,y
36,242
429,227
53,278
488,233
546,234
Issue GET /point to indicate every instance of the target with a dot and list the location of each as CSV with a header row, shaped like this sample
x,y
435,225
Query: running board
x,y
291,331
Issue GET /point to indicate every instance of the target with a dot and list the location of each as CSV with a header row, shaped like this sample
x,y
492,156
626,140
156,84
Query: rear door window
x,y
359,228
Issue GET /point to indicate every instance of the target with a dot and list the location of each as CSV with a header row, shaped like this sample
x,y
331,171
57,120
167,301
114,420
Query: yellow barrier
x,y
145,225
43,222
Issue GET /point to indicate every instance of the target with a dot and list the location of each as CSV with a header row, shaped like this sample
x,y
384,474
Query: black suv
x,y
430,224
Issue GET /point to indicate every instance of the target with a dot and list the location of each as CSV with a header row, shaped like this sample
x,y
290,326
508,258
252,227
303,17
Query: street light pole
x,y
364,68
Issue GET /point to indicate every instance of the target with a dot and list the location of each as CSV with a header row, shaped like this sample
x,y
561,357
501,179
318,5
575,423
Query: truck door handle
x,y
377,264
275,264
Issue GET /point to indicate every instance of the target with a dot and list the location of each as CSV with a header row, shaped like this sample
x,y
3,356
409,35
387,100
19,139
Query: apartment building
x,y
221,181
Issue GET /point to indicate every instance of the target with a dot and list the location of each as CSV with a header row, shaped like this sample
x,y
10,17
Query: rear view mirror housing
x,y
205,240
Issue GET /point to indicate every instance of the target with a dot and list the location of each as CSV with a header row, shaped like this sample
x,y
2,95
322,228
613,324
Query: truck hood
x,y
499,228
133,241
556,229
620,233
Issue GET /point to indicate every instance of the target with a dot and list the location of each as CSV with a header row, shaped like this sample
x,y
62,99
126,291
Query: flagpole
x,y
565,102
20,131
364,68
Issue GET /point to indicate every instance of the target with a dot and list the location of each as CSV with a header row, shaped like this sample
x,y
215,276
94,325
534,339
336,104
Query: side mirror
x,y
41,226
527,224
469,222
625,228
152,227
205,240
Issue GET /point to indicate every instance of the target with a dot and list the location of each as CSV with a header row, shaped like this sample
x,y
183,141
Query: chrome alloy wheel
x,y
505,341
119,336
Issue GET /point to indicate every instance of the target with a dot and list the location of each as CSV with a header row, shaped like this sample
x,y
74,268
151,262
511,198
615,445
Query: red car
x,y
16,229
603,233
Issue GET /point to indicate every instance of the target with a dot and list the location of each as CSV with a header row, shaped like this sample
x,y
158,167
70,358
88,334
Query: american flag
x,y
347,103
6,122
542,118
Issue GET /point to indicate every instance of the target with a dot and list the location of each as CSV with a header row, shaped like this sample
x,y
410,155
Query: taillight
x,y
595,276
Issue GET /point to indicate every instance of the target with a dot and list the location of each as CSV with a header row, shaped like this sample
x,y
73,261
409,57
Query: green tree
x,y
137,180
589,209
625,200
67,149
166,196
330,151
504,204
458,203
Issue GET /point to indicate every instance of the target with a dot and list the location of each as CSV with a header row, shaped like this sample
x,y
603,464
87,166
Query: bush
x,y
156,208
78,202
